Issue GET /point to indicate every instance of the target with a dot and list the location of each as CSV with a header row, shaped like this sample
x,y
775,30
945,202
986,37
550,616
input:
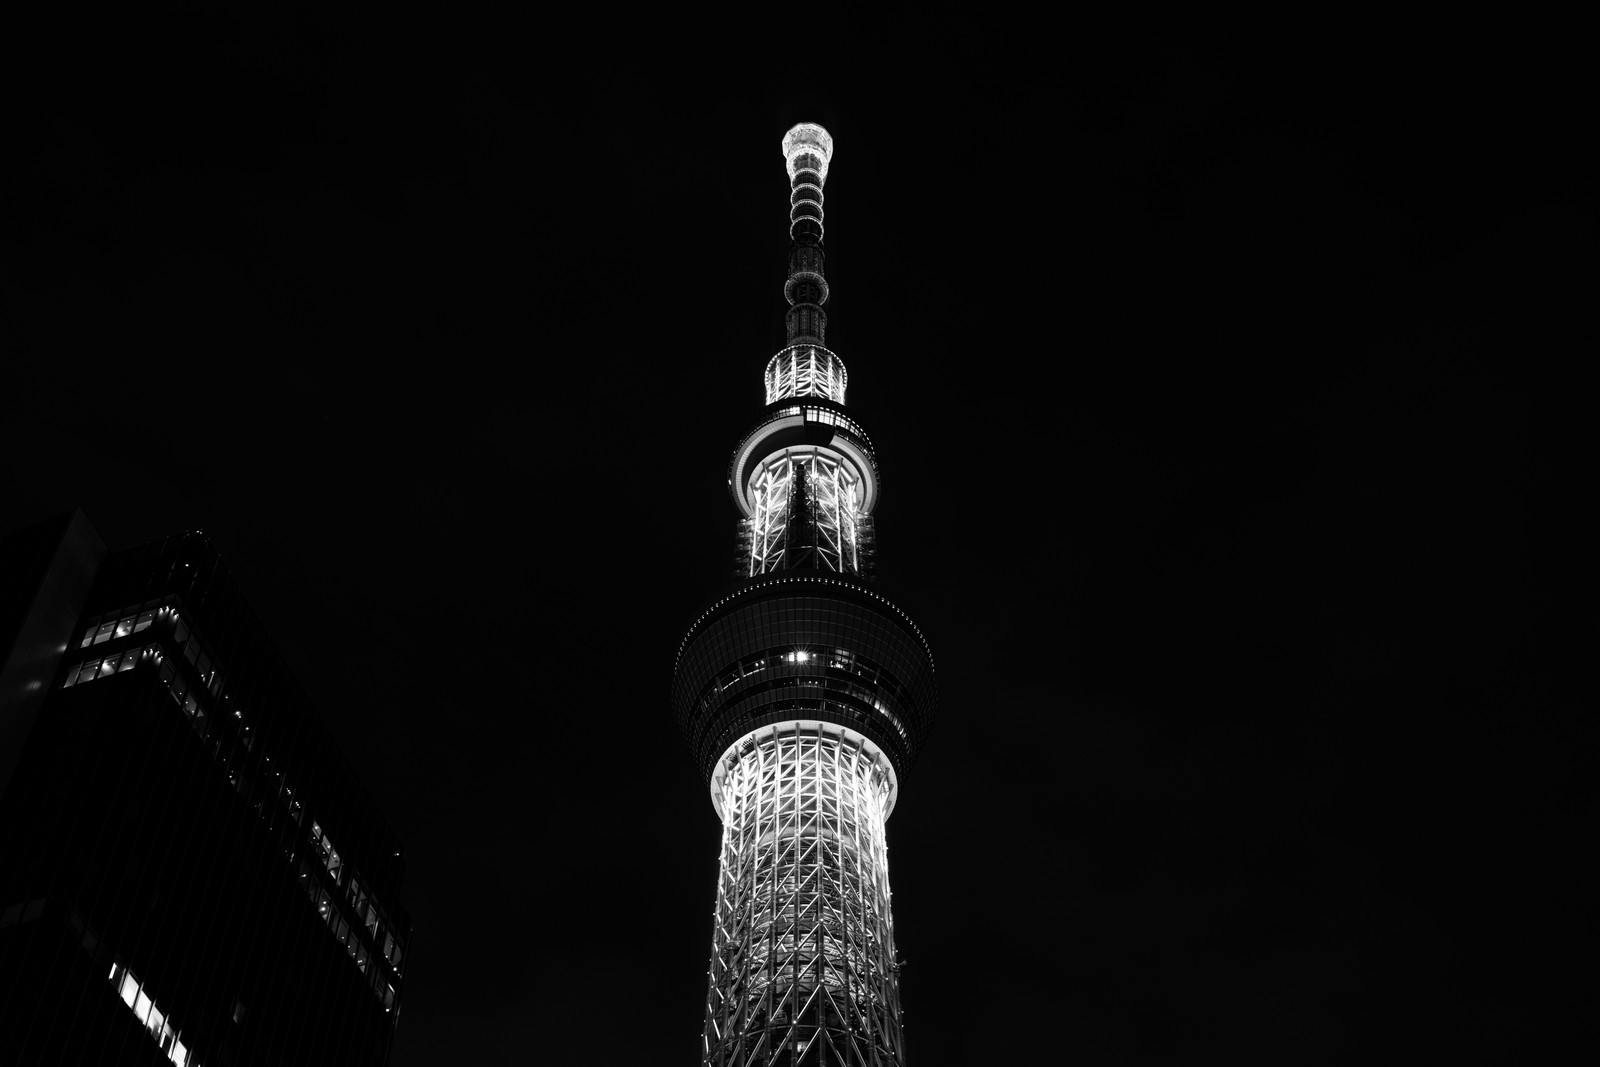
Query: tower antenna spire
x,y
807,149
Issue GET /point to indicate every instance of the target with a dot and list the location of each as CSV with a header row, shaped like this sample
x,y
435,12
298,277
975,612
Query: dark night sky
x,y
1230,409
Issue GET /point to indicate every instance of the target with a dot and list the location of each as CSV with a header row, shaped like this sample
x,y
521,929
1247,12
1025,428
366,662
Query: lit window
x,y
144,621
104,632
108,666
125,626
130,988
129,658
141,1006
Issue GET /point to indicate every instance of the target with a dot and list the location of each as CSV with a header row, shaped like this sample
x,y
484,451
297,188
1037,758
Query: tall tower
x,y
804,695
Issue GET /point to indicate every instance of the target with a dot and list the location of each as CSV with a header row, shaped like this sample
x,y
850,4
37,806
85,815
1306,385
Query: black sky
x,y
1237,465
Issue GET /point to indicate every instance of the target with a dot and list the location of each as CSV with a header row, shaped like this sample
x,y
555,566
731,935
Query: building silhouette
x,y
804,694
191,873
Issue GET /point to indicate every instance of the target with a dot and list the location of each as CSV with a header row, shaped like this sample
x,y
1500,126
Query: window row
x,y
837,659
89,670
129,624
328,911
150,1016
366,906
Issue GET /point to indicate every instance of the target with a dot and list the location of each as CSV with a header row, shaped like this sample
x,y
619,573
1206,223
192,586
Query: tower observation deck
x,y
804,695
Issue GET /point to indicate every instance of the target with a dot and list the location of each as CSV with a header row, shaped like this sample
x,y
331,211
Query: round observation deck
x,y
809,424
808,647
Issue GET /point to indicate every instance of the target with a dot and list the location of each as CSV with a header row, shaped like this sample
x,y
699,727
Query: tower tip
x,y
807,138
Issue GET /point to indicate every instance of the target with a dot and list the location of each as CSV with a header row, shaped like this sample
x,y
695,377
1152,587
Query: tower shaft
x,y
802,963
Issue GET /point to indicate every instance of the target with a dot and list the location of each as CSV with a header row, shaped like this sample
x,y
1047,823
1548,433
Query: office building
x,y
192,874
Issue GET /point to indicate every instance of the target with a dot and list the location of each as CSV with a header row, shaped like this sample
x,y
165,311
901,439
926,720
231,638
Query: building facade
x,y
804,695
192,874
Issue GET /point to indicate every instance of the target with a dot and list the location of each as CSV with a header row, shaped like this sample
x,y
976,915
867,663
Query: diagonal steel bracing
x,y
802,962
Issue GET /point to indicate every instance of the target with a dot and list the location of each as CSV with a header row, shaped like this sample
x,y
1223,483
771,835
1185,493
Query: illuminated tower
x,y
804,695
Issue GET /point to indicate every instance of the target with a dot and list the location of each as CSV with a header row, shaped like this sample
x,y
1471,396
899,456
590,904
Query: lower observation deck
x,y
803,646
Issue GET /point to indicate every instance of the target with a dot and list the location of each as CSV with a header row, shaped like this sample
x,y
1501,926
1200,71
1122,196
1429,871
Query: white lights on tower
x,y
802,918
806,370
825,484
803,694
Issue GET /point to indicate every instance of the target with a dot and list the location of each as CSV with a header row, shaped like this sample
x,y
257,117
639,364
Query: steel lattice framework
x,y
803,958
806,370
827,489
804,694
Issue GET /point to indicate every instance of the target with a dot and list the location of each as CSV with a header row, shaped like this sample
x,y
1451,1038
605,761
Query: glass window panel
x,y
156,1021
180,632
167,671
130,988
108,666
104,632
144,621
141,1006
180,1055
72,679
88,638
129,658
88,670
125,626
189,704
